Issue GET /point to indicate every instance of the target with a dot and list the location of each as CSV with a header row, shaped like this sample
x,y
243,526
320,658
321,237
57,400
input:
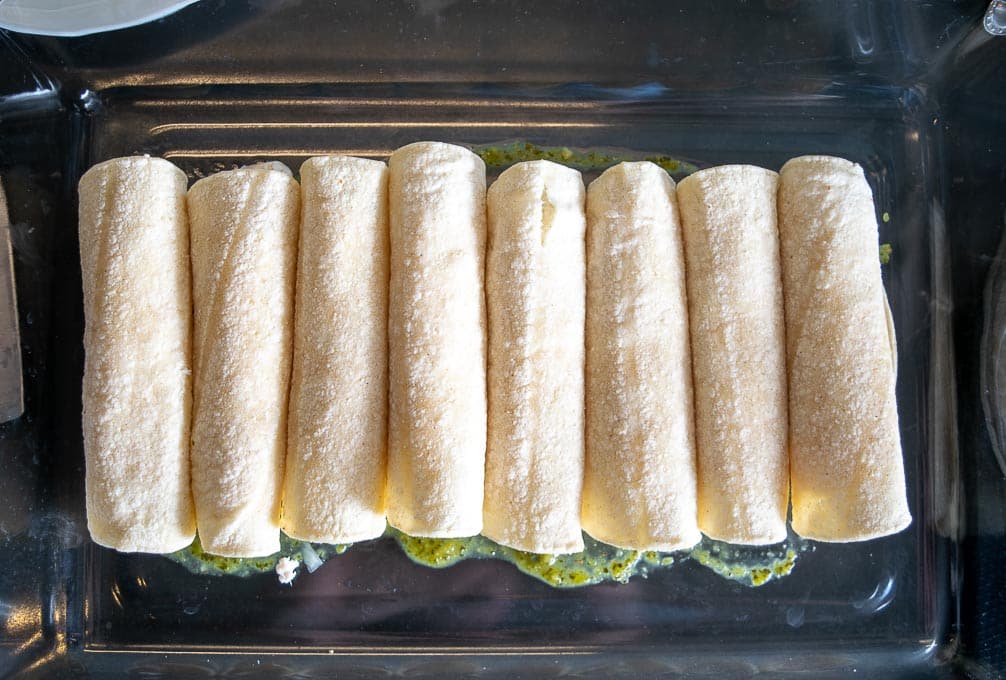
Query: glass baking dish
x,y
220,84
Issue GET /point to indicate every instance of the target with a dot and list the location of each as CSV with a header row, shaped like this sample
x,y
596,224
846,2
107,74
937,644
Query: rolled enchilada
x,y
334,489
437,340
535,293
640,480
845,449
728,215
244,247
137,386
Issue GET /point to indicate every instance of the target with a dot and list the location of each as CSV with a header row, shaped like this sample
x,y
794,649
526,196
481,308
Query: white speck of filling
x,y
286,570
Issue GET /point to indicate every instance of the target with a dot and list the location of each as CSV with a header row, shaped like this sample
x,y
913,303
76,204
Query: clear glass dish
x,y
755,82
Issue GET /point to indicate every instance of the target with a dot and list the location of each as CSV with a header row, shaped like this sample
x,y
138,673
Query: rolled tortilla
x,y
437,341
244,246
845,448
640,482
334,489
535,295
735,307
134,261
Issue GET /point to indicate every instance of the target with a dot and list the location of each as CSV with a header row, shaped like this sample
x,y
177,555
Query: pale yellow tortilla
x,y
437,341
244,246
134,260
336,464
728,216
845,449
535,293
640,481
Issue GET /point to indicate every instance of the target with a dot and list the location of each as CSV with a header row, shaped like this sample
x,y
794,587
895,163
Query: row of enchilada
x,y
392,343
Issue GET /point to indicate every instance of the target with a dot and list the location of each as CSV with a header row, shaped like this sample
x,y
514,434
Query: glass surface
x,y
754,82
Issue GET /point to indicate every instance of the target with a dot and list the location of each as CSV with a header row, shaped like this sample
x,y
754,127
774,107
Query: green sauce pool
x,y
598,563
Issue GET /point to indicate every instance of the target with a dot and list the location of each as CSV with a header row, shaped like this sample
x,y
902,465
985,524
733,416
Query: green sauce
x,y
198,561
599,562
752,566
497,157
